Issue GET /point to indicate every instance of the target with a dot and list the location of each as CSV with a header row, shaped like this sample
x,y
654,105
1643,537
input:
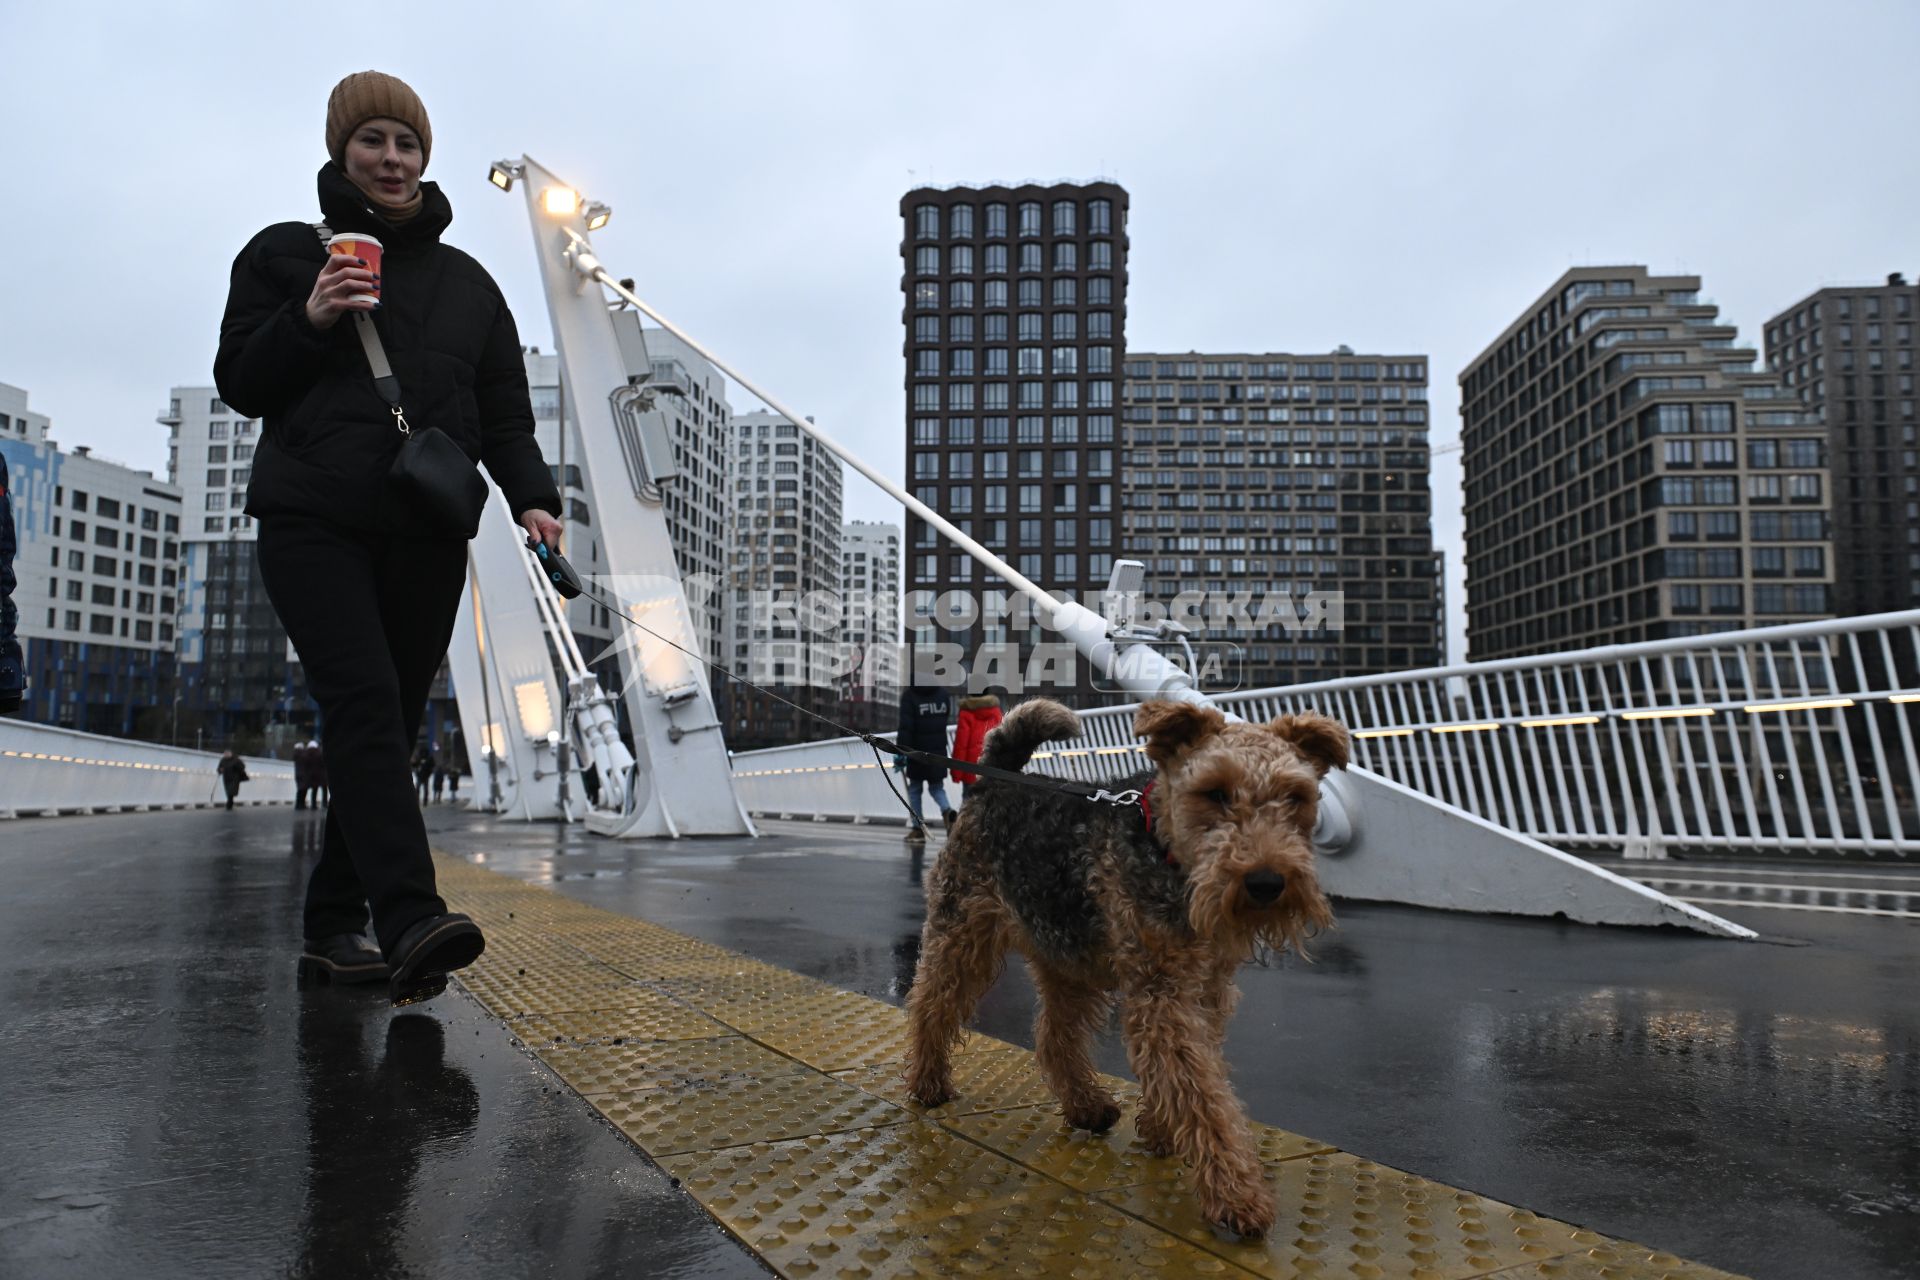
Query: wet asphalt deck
x,y
174,1106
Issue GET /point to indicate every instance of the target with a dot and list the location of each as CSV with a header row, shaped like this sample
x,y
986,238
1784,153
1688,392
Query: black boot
x,y
427,952
342,958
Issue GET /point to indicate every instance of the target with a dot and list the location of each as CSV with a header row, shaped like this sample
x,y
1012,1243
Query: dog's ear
x,y
1172,727
1323,741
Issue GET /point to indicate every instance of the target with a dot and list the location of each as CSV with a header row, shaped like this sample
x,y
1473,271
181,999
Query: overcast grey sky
x,y
1396,177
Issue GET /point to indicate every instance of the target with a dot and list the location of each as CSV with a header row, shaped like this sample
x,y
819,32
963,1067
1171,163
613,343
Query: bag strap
x,y
383,380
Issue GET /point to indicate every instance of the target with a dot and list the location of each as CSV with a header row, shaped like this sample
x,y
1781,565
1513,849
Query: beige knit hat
x,y
366,94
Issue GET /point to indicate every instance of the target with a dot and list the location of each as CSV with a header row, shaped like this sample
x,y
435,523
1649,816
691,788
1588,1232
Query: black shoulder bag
x,y
431,474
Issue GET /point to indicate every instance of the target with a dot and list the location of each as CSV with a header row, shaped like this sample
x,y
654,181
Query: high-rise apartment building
x,y
1263,478
783,583
1630,476
97,568
1015,333
870,622
1848,353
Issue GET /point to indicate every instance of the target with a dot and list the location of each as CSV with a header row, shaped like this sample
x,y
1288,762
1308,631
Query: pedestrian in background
x,y
302,774
233,772
317,770
423,768
13,674
979,716
924,712
447,770
365,581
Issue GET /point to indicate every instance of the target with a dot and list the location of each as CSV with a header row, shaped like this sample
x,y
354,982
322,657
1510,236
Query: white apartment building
x,y
870,592
98,568
783,569
17,421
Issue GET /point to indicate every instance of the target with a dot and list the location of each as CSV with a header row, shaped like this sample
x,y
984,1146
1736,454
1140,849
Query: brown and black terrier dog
x,y
1156,904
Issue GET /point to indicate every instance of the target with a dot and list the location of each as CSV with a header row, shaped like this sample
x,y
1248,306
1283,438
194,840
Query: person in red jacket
x,y
978,716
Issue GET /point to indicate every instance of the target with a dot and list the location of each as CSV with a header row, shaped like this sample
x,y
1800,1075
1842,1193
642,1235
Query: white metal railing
x,y
47,770
1796,739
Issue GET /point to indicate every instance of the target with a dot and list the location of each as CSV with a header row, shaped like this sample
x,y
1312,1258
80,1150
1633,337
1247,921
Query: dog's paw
x,y
1247,1213
930,1096
1156,1142
1097,1118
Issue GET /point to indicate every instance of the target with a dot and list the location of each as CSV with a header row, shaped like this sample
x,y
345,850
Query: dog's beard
x,y
1218,908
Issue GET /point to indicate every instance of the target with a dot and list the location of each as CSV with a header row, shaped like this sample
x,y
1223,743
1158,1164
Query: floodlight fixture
x,y
597,215
561,202
503,172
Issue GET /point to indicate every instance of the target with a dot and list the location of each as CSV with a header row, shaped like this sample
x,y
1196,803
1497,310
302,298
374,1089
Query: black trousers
x,y
370,618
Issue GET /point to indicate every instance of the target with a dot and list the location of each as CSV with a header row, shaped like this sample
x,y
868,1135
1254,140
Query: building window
x,y
960,293
960,222
960,395
1030,259
926,396
1066,360
1066,326
960,431
1066,291
996,221
962,362
1099,217
1029,218
925,329
1099,291
926,261
1066,255
1100,324
1063,219
996,260
926,294
960,260
1066,395
926,364
926,222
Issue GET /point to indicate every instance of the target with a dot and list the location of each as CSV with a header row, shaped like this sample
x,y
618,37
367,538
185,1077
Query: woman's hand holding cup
x,y
350,280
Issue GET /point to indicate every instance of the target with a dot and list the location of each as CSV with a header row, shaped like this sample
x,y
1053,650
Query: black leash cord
x,y
1063,786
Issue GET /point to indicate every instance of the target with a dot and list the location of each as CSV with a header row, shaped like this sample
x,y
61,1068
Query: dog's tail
x,y
1033,722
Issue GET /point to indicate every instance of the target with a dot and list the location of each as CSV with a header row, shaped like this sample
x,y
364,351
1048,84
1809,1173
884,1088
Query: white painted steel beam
x,y
1410,848
682,784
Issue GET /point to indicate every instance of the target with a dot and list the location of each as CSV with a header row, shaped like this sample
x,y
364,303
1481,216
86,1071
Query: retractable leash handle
x,y
562,575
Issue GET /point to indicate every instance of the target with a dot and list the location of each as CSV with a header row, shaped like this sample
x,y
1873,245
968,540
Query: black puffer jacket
x,y
924,714
329,438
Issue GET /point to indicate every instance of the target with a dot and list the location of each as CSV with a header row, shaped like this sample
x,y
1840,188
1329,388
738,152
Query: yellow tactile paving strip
x,y
777,1102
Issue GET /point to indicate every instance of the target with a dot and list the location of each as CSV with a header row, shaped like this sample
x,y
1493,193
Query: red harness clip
x,y
1146,811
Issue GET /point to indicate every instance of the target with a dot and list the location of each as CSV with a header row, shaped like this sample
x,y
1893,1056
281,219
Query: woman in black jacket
x,y
365,586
